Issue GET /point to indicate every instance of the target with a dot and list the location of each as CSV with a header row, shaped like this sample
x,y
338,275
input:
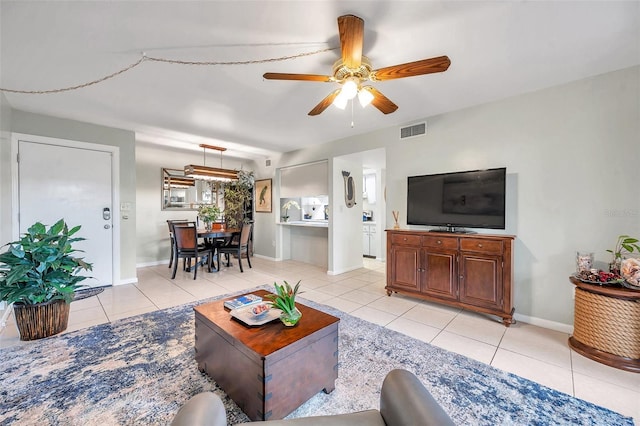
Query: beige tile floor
x,y
533,352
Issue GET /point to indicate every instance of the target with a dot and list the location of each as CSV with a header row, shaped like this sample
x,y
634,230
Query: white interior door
x,y
62,182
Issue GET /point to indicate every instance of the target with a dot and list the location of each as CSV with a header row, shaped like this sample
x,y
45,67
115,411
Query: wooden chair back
x,y
245,234
185,235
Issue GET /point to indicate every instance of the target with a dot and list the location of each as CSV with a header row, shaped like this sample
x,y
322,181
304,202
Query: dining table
x,y
216,232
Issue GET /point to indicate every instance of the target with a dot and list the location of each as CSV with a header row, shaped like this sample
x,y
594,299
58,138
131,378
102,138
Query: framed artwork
x,y
263,196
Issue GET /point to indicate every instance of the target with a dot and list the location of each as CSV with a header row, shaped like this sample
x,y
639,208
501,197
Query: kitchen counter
x,y
311,223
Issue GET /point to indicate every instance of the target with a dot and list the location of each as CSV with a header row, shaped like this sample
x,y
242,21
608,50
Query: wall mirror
x,y
180,192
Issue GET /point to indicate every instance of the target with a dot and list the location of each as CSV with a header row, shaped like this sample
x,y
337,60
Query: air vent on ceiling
x,y
412,131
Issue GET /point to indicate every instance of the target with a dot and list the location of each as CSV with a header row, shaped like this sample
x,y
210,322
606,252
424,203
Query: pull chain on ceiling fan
x,y
353,69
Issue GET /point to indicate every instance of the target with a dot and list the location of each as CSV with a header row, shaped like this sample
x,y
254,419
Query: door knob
x,y
107,226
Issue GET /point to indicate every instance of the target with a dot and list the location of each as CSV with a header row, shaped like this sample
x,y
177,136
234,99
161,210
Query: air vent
x,y
412,131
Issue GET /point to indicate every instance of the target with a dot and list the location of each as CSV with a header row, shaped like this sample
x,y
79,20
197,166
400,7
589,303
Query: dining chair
x,y
237,248
187,247
169,222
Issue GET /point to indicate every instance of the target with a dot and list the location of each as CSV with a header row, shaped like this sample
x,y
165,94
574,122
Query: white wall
x,y
345,224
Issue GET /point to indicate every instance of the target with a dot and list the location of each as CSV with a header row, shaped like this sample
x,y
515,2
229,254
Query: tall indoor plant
x,y
38,274
236,198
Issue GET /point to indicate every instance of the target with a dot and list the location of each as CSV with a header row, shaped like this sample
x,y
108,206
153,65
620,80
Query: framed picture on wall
x,y
263,196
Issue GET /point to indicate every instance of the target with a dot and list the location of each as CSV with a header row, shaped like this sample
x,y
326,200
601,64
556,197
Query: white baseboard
x,y
132,280
274,259
342,271
154,263
540,322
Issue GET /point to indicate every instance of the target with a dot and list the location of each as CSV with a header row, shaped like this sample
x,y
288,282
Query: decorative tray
x,y
627,284
247,317
596,282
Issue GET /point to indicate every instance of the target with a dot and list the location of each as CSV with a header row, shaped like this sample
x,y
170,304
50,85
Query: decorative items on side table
x,y
396,216
285,300
624,245
630,271
38,274
584,261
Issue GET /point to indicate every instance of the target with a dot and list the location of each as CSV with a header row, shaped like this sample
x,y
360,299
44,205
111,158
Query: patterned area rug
x,y
142,369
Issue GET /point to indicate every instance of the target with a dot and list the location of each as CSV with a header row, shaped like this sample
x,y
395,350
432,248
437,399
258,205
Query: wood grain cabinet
x,y
470,271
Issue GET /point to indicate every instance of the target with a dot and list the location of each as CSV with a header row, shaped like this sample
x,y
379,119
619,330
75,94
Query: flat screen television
x,y
469,199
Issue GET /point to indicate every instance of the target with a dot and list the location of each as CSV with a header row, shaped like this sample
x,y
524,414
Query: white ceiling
x,y
497,49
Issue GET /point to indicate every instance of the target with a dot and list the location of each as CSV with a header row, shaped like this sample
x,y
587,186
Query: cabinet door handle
x,y
461,277
439,242
480,245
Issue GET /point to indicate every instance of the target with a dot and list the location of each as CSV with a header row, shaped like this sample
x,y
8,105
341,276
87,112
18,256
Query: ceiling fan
x,y
354,69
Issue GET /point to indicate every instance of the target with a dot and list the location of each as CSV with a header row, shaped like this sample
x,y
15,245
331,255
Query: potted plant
x,y
209,213
625,244
285,208
38,274
285,300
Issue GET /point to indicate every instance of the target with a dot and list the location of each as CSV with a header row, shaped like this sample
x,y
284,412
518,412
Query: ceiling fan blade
x,y
303,77
424,66
351,39
380,101
324,103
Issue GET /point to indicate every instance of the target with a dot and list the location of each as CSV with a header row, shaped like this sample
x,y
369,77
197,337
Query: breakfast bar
x,y
306,241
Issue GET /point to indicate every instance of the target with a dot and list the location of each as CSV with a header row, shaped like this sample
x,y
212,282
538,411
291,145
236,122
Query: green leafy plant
x,y
40,267
624,244
208,212
285,297
236,198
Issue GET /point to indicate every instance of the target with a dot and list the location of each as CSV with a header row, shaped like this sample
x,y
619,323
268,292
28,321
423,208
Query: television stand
x,y
453,230
474,272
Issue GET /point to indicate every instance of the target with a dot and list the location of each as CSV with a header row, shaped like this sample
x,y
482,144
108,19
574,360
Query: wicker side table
x,y
606,325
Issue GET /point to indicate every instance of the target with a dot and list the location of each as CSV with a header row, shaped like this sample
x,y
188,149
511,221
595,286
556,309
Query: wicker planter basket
x,y
41,320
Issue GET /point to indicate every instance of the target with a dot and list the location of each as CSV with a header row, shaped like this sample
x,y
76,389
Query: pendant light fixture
x,y
210,173
178,182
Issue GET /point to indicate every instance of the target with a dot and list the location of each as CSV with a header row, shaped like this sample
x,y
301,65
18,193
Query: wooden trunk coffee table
x,y
268,370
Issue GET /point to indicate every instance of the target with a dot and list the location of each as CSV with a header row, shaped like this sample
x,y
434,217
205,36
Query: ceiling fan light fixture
x,y
350,88
340,101
365,96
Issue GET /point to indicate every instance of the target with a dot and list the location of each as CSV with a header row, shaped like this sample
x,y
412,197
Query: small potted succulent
x,y
38,274
285,300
